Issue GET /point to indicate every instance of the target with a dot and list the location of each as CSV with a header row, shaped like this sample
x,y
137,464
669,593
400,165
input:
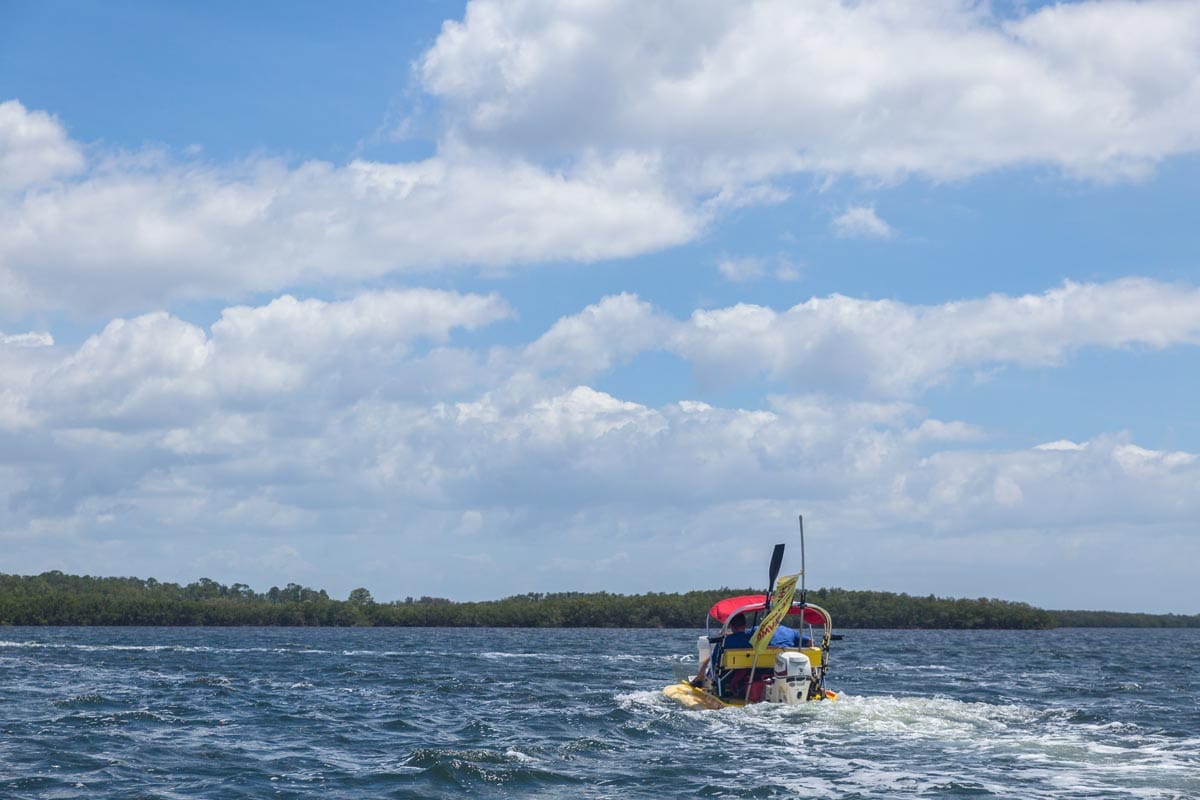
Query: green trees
x,y
858,609
361,598
1119,619
53,598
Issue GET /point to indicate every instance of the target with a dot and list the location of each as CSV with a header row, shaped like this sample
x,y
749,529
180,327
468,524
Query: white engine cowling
x,y
795,666
793,674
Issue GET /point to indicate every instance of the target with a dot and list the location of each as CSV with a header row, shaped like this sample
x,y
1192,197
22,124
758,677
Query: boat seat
x,y
743,658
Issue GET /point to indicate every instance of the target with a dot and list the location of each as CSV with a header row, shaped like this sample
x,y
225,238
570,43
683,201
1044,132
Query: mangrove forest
x,y
54,598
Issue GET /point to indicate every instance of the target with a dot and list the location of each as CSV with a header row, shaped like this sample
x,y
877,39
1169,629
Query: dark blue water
x,y
352,713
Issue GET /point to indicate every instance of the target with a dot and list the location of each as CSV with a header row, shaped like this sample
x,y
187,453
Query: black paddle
x,y
776,561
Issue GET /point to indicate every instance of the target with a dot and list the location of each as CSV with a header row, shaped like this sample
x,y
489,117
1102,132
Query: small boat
x,y
739,669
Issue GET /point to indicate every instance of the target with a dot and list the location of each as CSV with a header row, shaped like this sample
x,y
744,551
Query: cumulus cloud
x,y
23,357
158,371
896,349
537,465
34,148
30,339
297,416
599,337
583,448
130,232
862,223
1106,478
583,132
737,94
369,380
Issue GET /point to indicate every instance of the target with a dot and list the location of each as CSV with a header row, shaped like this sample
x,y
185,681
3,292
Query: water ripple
x,y
252,713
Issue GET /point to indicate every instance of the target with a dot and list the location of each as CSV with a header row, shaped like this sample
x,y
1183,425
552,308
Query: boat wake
x,y
900,743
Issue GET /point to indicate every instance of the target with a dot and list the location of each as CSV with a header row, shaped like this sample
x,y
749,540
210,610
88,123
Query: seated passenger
x,y
736,638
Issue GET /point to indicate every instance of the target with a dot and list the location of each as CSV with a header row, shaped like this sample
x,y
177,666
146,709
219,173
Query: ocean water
x,y
427,713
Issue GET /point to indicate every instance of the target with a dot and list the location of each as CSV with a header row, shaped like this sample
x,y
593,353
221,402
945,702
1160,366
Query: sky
x,y
473,300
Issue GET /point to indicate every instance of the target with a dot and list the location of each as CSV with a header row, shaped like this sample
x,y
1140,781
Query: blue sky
x,y
470,300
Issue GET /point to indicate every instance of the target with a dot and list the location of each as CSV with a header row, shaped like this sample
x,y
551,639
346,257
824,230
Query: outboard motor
x,y
793,676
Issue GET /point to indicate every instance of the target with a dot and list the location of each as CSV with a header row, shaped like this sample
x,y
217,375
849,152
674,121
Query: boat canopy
x,y
722,609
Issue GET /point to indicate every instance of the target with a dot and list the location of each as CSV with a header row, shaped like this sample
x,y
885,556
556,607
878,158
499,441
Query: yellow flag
x,y
780,605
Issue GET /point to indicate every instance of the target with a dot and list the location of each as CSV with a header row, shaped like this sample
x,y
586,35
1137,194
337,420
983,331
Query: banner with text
x,y
781,603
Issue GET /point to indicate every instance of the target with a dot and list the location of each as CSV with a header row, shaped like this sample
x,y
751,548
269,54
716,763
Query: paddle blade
x,y
776,561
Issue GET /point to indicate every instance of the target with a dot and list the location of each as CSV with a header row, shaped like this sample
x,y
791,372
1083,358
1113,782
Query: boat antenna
x,y
803,590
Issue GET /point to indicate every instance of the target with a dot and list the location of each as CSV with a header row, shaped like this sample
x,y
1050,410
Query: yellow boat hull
x,y
690,696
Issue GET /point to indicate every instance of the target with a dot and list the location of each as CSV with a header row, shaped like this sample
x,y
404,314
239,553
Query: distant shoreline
x,y
57,599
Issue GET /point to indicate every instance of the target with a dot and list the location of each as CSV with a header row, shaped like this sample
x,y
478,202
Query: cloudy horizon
x,y
472,300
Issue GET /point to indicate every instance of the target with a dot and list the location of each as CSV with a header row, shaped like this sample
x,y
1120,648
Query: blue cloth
x,y
785,637
788,637
737,640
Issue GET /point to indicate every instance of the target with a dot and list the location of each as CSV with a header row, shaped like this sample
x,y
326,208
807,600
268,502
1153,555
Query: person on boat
x,y
738,637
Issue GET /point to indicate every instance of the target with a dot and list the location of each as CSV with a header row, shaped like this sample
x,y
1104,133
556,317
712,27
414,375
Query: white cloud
x,y
382,324
741,93
1061,444
284,418
29,339
132,232
862,223
583,132
939,431
584,448
741,269
295,392
599,337
586,132
892,348
33,148
156,370
23,357
142,371
1055,488
1135,460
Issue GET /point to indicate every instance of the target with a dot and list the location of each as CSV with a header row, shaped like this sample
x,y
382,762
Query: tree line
x,y
54,598
1123,619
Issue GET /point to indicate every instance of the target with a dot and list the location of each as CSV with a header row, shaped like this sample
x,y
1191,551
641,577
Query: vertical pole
x,y
803,589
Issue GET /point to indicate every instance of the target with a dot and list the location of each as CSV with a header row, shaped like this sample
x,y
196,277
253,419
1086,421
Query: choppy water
x,y
337,713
